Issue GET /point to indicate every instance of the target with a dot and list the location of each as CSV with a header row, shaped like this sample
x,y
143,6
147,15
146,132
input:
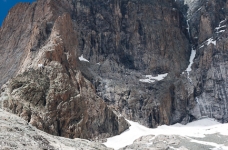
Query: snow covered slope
x,y
206,132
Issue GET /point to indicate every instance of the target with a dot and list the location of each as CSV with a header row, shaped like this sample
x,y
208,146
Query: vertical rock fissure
x,y
192,56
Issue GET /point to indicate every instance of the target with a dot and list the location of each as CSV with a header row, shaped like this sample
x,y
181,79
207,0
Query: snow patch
x,y
40,65
211,41
151,79
199,9
81,58
221,28
223,21
201,46
221,31
198,129
192,57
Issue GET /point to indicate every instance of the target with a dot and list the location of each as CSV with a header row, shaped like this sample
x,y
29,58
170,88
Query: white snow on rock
x,y
222,21
196,129
40,65
192,57
193,52
221,31
201,46
221,28
81,58
211,41
151,79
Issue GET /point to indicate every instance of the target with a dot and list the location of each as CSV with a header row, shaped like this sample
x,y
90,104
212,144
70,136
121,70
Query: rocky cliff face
x,y
128,44
208,29
131,39
48,89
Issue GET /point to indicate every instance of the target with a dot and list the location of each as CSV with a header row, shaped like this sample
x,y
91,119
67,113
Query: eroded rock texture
x,y
131,39
49,90
17,134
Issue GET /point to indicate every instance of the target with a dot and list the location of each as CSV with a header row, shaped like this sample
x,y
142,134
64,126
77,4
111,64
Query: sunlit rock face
x,y
48,89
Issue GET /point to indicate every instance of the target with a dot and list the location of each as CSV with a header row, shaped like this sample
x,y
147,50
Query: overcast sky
x,y
5,6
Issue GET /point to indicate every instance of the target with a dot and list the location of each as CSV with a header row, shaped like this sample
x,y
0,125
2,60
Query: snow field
x,y
151,79
196,129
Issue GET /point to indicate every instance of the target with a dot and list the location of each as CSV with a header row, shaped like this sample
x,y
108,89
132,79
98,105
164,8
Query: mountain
x,y
78,68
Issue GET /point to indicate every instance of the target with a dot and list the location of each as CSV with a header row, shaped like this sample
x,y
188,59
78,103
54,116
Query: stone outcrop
x,y
16,133
60,107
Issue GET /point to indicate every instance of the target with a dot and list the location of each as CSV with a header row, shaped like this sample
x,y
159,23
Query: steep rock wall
x,y
48,89
208,28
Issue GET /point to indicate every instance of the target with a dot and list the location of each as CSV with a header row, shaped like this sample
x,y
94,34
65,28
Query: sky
x,y
5,6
